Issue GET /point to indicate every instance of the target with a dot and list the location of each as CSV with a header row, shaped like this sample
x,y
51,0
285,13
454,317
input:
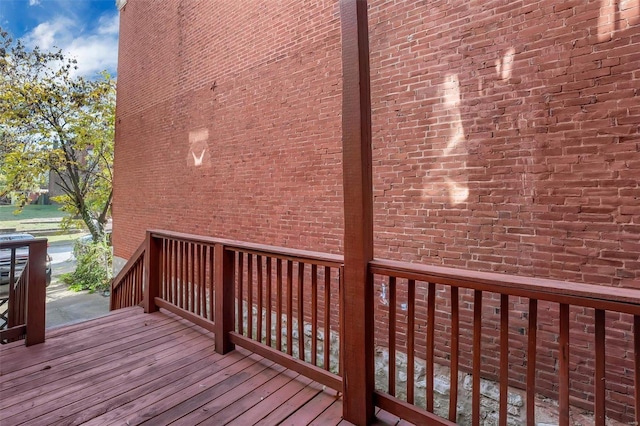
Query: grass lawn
x,y
35,218
63,239
29,212
32,218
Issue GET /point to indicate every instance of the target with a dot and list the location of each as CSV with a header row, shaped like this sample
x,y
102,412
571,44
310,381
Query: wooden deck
x,y
133,368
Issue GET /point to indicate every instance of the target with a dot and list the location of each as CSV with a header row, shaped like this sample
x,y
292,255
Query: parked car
x,y
22,255
88,238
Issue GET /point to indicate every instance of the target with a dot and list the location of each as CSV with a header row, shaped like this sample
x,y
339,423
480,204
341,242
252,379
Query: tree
x,y
51,119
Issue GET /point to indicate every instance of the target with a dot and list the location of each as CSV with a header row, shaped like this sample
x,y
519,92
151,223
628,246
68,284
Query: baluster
x,y
289,307
212,270
279,304
250,295
240,308
268,315
259,331
504,357
455,350
411,318
636,373
192,280
314,314
327,315
531,362
301,311
392,336
477,348
599,395
431,330
563,365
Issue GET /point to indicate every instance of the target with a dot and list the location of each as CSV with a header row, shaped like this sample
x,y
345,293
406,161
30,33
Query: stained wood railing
x,y
288,308
127,286
280,303
285,305
25,315
466,320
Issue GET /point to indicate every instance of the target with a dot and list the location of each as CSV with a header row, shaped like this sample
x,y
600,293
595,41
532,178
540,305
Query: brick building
x,y
506,135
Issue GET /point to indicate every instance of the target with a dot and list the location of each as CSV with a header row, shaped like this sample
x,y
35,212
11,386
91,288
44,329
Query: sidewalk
x,y
66,307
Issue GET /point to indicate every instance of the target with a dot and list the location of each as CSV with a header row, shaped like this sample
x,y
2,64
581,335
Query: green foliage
x,y
93,269
51,119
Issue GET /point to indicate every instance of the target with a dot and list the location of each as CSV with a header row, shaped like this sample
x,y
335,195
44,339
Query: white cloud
x,y
34,2
94,54
95,49
50,34
109,24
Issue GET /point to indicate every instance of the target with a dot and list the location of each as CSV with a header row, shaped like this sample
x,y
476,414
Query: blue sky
x,y
84,29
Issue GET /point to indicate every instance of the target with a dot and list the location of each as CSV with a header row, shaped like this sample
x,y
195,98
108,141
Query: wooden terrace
x,y
243,333
133,368
239,332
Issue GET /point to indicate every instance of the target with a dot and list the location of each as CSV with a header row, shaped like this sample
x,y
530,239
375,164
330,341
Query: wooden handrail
x,y
503,290
324,259
130,276
115,282
620,299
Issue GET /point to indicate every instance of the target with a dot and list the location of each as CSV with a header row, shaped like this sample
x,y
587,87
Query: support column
x,y
36,292
152,274
224,266
357,301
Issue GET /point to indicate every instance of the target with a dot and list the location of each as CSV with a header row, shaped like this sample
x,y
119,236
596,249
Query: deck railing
x,y
282,304
288,308
25,298
285,305
127,286
513,330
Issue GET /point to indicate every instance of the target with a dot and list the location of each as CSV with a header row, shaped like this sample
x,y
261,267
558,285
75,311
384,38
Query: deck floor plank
x,y
117,343
84,393
83,340
154,403
245,397
209,395
312,409
269,404
110,356
95,323
134,368
173,380
332,415
287,407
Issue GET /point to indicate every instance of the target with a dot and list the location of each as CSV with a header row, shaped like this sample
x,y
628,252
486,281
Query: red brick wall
x,y
258,89
506,134
507,137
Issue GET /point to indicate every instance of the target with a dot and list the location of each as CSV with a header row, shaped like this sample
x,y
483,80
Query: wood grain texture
x,y
357,303
133,368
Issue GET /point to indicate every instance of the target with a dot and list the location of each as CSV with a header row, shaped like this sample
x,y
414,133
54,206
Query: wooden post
x,y
151,273
224,265
36,292
357,301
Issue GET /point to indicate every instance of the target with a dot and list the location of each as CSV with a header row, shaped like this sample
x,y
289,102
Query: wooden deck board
x,y
110,357
312,409
133,368
83,394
